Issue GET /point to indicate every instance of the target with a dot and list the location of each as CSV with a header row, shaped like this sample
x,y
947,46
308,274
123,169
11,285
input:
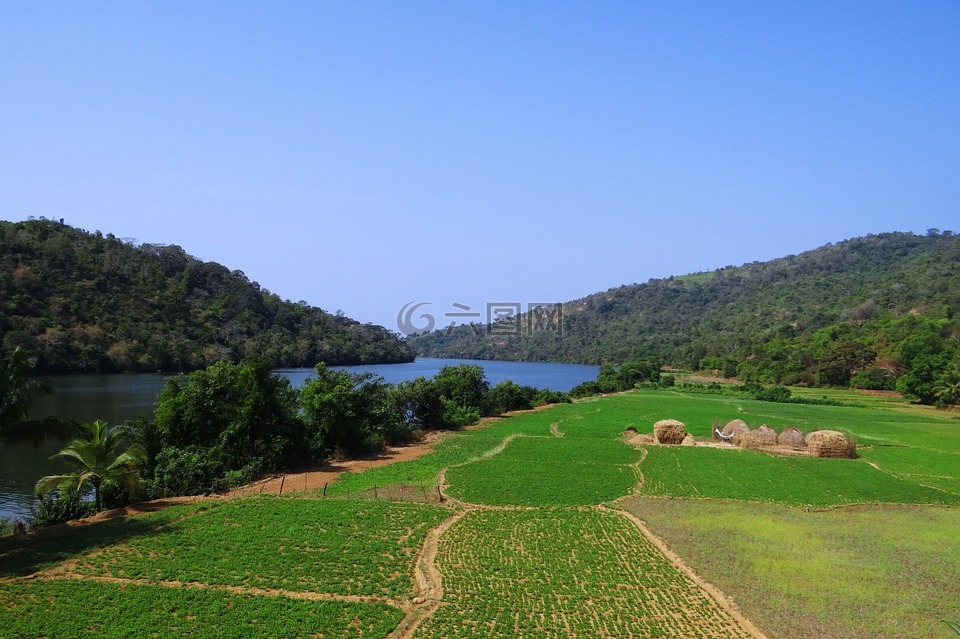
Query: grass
x,y
852,573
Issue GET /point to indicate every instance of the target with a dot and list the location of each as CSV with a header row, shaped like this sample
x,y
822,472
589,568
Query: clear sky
x,y
361,155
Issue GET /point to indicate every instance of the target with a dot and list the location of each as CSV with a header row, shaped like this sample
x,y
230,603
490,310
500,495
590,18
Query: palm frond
x,y
51,482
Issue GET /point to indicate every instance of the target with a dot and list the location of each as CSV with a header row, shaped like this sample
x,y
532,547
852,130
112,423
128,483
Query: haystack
x,y
688,441
734,427
830,443
669,431
750,439
767,435
792,437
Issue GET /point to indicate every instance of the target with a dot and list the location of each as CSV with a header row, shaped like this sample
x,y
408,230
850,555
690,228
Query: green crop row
x,y
328,546
565,573
72,608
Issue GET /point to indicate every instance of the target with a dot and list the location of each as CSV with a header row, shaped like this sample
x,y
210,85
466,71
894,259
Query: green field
x,y
808,547
852,573
565,573
281,543
74,608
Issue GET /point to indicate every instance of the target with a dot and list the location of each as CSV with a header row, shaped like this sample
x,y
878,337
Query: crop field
x,y
565,573
797,481
281,543
74,608
860,572
548,471
531,543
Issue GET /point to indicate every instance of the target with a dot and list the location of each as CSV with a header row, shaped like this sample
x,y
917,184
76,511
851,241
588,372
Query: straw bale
x,y
669,431
792,437
688,441
830,443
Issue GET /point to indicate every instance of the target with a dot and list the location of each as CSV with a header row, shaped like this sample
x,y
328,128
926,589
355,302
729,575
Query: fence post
x,y
282,479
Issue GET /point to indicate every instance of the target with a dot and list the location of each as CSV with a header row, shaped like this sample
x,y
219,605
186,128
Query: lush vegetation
x,y
878,312
99,463
229,424
83,301
535,552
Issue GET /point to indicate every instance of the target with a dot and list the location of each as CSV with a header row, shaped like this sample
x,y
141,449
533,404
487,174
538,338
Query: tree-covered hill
x,y
819,317
83,301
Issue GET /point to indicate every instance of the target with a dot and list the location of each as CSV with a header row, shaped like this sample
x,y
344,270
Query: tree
x,y
98,461
17,389
231,419
948,388
347,414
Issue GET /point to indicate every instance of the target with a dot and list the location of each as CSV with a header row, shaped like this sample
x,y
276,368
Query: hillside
x,y
773,321
85,302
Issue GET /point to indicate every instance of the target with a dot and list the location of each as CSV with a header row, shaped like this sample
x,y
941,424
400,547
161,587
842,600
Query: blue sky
x,y
363,155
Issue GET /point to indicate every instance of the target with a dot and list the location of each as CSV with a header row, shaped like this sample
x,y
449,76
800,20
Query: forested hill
x,y
82,301
775,320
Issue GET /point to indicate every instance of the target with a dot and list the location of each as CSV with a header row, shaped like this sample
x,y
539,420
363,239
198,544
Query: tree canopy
x,y
85,302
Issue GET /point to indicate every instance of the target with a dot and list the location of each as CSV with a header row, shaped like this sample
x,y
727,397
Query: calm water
x,y
116,398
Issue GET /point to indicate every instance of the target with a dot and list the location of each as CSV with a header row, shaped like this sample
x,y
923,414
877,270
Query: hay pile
x,y
756,439
749,440
792,437
688,441
830,443
669,431
734,427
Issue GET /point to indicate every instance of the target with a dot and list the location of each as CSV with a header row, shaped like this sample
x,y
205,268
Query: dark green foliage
x,y
772,394
348,414
58,508
420,404
102,455
229,418
508,395
863,312
85,302
464,391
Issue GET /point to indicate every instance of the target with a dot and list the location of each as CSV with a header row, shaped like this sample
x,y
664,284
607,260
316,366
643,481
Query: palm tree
x,y
97,461
948,393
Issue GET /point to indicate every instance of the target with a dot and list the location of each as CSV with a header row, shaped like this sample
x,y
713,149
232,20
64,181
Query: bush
x,y
778,394
60,507
190,471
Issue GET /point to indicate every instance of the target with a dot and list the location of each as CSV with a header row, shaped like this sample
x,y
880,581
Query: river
x,y
116,398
